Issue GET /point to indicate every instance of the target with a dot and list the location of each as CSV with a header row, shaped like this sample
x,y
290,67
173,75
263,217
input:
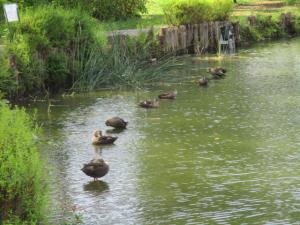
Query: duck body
x,y
99,139
203,81
96,168
116,122
149,104
168,95
217,72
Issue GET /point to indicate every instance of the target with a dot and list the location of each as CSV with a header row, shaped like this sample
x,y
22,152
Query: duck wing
x,y
220,69
108,139
169,95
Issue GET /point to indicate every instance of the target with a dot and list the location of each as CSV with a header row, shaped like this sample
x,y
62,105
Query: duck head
x,y
98,133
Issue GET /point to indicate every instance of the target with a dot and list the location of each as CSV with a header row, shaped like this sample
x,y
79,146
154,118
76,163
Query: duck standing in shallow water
x,y
96,168
116,122
168,95
99,139
217,72
149,104
203,81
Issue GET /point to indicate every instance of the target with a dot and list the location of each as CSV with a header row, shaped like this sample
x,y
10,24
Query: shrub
x,y
292,2
43,43
22,188
196,11
266,27
7,79
269,26
107,9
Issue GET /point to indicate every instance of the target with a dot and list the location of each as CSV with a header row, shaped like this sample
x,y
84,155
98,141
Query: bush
x,y
107,9
43,43
22,188
269,26
7,79
266,27
292,2
196,11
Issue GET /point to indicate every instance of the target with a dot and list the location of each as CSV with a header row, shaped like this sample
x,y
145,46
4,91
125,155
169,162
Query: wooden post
x,y
182,39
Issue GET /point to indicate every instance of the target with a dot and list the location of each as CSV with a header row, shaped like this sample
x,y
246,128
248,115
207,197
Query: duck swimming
x,y
99,139
168,95
116,122
149,104
217,72
96,168
203,81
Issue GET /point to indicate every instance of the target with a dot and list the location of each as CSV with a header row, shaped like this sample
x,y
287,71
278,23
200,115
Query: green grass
x,y
146,21
22,185
155,15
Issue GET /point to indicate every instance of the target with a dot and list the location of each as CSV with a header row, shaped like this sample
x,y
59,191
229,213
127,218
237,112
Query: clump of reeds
x,y
124,61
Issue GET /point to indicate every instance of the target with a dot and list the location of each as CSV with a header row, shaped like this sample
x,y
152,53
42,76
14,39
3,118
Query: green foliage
x,y
269,26
297,23
7,79
57,49
43,43
22,188
107,9
196,11
125,62
266,27
292,2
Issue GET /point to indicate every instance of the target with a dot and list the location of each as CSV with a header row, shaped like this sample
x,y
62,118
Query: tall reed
x,y
125,61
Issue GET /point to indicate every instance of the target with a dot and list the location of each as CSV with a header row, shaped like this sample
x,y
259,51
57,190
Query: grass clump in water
x,y
126,61
22,185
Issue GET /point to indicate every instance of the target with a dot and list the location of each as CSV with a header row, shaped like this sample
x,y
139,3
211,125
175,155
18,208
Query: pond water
x,y
225,154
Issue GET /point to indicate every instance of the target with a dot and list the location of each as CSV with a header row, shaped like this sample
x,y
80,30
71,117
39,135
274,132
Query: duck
x,y
99,139
116,122
149,104
96,168
168,95
217,72
203,81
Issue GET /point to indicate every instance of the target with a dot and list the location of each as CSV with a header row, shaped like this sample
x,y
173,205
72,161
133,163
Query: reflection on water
x,y
226,154
96,187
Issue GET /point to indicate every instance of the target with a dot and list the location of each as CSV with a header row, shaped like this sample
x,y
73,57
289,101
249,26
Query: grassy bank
x,y
155,13
267,27
54,50
22,185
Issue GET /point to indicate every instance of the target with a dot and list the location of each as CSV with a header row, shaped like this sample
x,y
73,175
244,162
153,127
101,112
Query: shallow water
x,y
225,154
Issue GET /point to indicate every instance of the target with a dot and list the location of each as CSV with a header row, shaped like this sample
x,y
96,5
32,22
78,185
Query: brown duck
x,y
168,95
203,81
149,104
99,139
116,122
96,168
217,72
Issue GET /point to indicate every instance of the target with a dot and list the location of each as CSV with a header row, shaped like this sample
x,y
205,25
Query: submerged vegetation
x,y
22,185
